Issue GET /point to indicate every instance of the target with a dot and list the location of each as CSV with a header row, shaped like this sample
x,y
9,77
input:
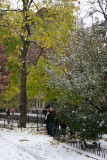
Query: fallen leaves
x,y
22,140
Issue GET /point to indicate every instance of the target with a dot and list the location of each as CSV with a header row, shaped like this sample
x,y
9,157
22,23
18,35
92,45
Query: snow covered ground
x,y
29,144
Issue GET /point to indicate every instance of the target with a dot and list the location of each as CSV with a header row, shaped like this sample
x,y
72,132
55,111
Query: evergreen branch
x,y
91,103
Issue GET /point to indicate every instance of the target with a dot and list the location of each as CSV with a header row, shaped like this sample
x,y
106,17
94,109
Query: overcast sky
x,y
85,9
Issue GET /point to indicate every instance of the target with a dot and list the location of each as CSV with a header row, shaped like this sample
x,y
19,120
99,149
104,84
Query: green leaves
x,y
49,27
14,79
90,125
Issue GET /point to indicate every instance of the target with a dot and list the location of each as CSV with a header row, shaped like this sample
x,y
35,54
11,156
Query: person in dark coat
x,y
51,124
8,115
47,123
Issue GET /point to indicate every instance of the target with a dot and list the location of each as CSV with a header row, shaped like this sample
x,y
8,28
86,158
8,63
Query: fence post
x,y
28,116
37,121
17,116
4,122
103,152
21,125
41,119
12,124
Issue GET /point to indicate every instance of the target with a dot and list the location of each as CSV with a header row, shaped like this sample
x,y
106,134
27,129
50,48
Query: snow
x,y
30,144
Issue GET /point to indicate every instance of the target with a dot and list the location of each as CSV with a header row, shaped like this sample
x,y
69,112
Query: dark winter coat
x,y
8,112
51,117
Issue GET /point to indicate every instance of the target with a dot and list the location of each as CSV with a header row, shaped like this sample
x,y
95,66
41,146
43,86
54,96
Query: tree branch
x,y
105,16
35,5
10,10
91,103
32,1
36,60
95,12
102,10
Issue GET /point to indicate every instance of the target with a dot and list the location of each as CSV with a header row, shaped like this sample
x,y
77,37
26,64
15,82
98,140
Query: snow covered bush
x,y
80,75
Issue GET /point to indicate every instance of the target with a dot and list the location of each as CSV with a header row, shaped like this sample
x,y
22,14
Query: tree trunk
x,y
23,96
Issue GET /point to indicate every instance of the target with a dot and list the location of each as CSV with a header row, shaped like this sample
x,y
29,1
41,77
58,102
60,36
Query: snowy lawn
x,y
30,145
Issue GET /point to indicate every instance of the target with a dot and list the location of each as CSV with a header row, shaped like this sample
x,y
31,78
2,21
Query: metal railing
x,y
102,152
37,120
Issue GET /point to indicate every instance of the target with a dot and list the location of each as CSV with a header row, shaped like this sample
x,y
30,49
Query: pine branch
x,y
91,103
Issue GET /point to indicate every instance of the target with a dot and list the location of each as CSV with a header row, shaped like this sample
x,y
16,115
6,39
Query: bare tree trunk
x,y
23,97
23,94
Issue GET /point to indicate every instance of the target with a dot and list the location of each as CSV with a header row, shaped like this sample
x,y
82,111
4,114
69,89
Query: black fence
x,y
35,120
102,152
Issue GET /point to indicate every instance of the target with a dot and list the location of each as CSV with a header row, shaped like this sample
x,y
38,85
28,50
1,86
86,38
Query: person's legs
x,y
52,130
48,129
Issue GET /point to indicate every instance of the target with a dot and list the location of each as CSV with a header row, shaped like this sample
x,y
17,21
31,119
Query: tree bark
x,y
24,51
23,96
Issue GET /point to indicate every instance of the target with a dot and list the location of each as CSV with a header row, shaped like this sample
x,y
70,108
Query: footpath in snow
x,y
31,145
